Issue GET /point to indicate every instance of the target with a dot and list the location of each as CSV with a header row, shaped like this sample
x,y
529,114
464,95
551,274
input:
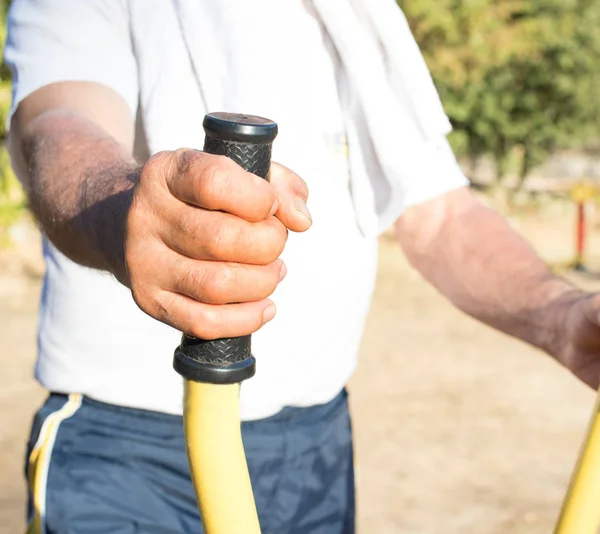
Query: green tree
x,y
12,198
513,73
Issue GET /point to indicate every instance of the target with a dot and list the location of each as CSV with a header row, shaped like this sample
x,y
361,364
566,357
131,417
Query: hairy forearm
x,y
472,255
79,183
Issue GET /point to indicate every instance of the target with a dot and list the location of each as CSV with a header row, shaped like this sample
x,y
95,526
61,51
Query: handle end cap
x,y
239,127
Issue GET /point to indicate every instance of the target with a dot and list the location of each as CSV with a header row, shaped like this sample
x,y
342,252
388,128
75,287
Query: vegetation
x,y
12,199
515,76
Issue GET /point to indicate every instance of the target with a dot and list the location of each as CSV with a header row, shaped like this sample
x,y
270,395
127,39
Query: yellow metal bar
x,y
216,455
580,513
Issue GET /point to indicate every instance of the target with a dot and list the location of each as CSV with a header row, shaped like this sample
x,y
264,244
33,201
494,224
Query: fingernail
x,y
269,313
300,205
282,271
274,208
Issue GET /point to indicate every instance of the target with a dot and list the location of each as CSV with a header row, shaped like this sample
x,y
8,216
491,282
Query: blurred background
x,y
459,429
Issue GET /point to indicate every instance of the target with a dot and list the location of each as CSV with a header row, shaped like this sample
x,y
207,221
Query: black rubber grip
x,y
247,140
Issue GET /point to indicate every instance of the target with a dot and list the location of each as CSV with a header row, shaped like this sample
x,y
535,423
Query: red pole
x,y
580,236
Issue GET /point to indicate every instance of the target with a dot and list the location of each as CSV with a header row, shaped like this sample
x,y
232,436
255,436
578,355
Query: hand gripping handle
x,y
247,140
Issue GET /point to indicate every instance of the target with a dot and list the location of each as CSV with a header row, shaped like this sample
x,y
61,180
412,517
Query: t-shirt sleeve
x,y
51,41
438,173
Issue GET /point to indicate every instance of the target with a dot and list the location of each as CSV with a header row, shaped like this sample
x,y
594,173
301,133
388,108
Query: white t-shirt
x,y
92,337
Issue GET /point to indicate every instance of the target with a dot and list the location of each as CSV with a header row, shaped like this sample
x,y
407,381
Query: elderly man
x,y
145,236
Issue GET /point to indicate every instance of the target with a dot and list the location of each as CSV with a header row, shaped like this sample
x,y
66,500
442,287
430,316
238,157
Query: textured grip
x,y
247,140
252,157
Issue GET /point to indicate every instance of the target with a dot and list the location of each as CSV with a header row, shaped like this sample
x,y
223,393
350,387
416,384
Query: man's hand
x,y
195,237
203,238
472,256
578,341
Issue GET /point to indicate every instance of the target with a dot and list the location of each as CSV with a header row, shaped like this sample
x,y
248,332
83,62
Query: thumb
x,y
292,194
590,306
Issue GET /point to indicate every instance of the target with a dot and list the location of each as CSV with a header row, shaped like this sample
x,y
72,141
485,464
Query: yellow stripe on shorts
x,y
39,462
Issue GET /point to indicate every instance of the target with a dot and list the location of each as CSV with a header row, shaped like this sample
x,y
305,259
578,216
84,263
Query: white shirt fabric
x,y
173,61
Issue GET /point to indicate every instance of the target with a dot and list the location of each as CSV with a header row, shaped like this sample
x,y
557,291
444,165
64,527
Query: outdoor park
x,y
458,428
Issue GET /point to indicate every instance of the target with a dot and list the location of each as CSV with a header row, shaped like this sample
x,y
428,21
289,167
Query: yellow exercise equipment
x,y
213,370
213,440
580,512
582,191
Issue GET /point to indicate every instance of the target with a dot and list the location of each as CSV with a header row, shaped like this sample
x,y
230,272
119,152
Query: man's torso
x,y
93,338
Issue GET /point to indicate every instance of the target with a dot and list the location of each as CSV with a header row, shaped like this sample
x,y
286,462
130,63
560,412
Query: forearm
x,y
472,255
79,183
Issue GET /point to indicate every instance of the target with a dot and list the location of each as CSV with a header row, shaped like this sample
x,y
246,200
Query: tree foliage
x,y
513,73
4,72
12,198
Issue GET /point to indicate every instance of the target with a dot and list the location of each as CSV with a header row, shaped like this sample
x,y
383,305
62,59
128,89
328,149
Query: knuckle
x,y
160,160
212,180
208,182
267,201
145,300
137,294
215,169
222,284
266,283
178,168
208,326
162,308
274,240
222,240
185,158
192,283
159,165
218,285
190,228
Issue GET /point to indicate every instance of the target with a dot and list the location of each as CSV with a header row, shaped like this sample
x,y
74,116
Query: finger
x,y
205,235
215,282
209,321
293,194
217,183
590,376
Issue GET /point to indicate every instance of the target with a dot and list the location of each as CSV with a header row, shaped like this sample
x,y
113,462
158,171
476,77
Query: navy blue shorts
x,y
97,468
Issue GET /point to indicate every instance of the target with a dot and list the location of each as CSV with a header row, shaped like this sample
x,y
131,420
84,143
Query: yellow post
x,y
216,455
580,512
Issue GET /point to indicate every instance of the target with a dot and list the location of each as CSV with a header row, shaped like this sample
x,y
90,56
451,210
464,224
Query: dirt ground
x,y
459,429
